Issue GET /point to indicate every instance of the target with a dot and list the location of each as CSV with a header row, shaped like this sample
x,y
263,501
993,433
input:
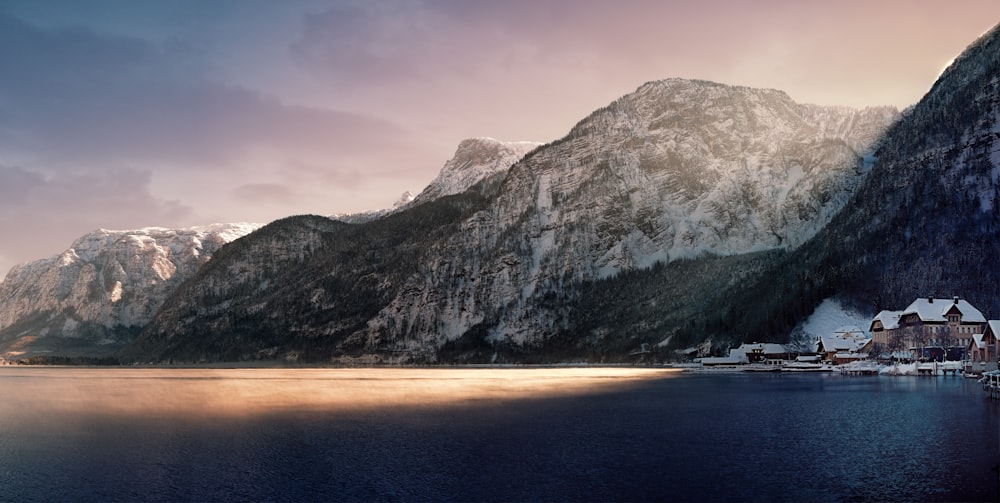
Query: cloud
x,y
553,48
264,193
76,97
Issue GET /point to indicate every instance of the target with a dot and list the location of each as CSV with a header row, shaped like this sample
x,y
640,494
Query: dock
x,y
932,368
991,383
860,368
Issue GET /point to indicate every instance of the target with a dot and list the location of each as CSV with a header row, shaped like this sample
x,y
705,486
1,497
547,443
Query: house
x,y
764,352
884,324
982,350
846,345
757,352
928,325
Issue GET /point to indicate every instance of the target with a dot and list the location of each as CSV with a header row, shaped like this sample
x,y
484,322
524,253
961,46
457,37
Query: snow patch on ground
x,y
830,316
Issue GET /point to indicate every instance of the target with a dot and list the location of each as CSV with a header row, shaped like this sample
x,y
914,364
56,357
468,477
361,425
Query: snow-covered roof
x,y
841,344
850,331
764,347
848,356
977,340
931,309
889,319
994,327
723,360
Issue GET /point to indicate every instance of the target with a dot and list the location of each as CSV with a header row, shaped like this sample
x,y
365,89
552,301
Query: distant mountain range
x,y
99,293
687,212
675,170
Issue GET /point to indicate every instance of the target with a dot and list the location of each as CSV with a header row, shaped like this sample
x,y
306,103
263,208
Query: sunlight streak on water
x,y
238,392
477,434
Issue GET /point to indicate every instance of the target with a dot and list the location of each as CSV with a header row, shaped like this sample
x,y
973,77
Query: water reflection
x,y
228,392
560,434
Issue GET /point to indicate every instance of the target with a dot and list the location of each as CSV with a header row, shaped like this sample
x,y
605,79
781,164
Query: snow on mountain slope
x,y
106,281
676,169
474,160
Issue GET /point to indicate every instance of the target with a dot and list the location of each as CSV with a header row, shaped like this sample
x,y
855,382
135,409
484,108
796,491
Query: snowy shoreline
x,y
898,369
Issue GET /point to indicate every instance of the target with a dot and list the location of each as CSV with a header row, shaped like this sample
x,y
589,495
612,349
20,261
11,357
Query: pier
x,y
860,368
991,383
932,368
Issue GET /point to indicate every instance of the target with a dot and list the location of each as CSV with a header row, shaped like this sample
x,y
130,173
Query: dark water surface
x,y
481,434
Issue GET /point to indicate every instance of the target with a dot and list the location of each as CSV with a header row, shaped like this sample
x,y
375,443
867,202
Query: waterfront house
x,y
882,326
764,352
847,344
927,325
756,352
981,353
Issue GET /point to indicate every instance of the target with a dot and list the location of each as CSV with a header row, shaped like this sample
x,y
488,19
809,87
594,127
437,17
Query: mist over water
x,y
490,434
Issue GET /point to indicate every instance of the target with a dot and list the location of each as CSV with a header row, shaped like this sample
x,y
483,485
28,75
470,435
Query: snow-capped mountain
x,y
367,216
106,286
474,160
674,170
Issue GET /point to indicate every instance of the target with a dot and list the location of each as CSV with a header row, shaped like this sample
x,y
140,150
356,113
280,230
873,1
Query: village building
x,y
928,328
848,344
982,352
757,352
884,324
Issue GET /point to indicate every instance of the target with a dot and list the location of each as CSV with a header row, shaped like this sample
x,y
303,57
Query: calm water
x,y
478,434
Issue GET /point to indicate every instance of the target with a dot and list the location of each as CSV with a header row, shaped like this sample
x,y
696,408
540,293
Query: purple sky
x,y
124,114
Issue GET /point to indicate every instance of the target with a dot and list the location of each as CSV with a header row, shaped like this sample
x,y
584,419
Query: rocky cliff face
x,y
924,222
674,170
475,160
106,286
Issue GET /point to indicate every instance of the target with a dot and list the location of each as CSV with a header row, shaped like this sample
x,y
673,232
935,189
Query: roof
x,y
994,327
977,341
849,356
889,319
931,309
766,347
850,331
723,360
841,345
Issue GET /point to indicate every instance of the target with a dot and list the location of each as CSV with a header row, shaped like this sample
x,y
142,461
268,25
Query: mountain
x,y
106,287
475,159
674,170
367,216
925,221
300,288
665,175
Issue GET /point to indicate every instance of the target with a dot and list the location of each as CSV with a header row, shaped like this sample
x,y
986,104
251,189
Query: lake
x,y
607,434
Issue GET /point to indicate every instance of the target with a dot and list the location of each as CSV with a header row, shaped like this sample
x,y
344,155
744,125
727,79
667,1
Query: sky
x,y
134,113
